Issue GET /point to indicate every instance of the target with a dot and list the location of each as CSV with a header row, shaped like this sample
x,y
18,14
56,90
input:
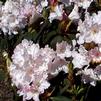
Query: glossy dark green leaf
x,y
3,44
49,36
31,35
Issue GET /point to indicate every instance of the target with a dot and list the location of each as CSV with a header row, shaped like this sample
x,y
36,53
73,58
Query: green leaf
x,y
82,98
80,90
49,36
45,13
56,39
3,44
2,75
60,98
31,35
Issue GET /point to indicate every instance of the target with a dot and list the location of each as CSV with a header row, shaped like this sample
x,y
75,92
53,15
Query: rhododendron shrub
x,y
52,48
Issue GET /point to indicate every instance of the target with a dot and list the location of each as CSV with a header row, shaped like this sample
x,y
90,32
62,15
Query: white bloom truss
x,y
30,68
90,75
16,14
90,29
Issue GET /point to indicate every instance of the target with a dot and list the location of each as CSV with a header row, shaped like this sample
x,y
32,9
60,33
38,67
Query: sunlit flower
x,y
57,13
30,68
74,14
44,3
82,3
80,57
90,75
95,55
90,29
16,15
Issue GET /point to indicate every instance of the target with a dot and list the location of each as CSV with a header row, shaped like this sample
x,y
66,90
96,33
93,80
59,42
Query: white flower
x,y
43,86
90,29
63,50
63,68
41,5
44,3
57,13
95,55
15,15
82,3
90,75
30,68
80,58
74,14
26,69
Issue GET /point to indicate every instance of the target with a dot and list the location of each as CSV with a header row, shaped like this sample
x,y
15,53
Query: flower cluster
x,y
16,14
90,29
31,66
91,75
